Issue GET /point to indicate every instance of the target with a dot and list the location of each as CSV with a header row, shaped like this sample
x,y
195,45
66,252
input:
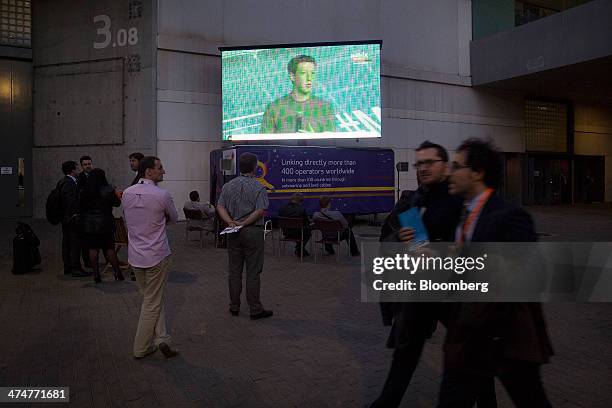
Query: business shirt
x,y
81,180
147,209
243,195
469,207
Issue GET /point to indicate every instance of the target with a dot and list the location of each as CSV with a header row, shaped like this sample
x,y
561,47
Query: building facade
x,y
111,77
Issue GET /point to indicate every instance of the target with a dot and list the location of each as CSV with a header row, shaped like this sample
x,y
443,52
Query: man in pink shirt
x,y
147,209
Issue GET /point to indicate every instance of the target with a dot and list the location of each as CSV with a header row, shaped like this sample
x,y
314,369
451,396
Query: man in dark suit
x,y
413,323
86,167
71,248
507,340
135,159
294,209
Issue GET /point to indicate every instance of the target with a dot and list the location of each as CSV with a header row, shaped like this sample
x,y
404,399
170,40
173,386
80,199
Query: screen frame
x,y
297,45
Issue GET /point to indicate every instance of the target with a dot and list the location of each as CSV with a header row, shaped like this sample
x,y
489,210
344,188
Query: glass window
x,y
545,126
15,19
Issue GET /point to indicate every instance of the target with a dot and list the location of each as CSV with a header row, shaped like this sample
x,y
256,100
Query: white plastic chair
x,y
268,230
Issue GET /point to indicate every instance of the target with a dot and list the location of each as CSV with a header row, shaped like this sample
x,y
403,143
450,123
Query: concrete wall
x,y
593,136
188,120
426,80
447,114
576,35
421,38
93,87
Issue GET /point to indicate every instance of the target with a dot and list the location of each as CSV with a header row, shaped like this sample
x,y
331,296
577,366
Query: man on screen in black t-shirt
x,y
300,111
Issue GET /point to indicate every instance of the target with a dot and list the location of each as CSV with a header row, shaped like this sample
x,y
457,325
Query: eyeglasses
x,y
426,163
454,166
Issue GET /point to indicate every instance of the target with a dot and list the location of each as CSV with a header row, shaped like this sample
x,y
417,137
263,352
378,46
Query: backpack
x,y
54,211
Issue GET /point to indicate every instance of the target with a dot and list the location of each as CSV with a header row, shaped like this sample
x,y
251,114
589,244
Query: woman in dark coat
x,y
97,222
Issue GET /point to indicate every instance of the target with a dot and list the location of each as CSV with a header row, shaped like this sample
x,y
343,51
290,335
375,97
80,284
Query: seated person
x,y
207,210
327,214
294,209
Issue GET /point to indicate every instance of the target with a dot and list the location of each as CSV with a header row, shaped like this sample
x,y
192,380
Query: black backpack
x,y
26,254
53,207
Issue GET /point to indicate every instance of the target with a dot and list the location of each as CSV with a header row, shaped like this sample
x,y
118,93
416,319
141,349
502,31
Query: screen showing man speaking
x,y
302,92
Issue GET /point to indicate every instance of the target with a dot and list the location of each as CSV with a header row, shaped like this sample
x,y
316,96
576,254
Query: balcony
x,y
556,55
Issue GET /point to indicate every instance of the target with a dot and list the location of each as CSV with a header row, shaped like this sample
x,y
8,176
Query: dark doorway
x,y
512,186
589,179
549,180
16,129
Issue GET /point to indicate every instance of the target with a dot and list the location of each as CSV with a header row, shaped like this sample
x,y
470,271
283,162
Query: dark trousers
x,y
522,381
347,235
403,366
85,255
71,247
405,361
245,248
297,234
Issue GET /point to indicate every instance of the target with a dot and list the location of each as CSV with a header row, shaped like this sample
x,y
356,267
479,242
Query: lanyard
x,y
474,213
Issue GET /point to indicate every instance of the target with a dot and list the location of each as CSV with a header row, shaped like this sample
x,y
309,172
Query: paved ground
x,y
322,348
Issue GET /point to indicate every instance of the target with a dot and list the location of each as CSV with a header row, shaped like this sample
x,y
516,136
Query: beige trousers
x,y
152,323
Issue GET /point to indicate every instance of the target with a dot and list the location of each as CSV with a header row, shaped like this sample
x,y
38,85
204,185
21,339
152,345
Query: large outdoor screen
x,y
312,91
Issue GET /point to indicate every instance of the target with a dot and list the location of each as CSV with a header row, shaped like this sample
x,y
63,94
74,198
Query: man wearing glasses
x,y
413,323
507,340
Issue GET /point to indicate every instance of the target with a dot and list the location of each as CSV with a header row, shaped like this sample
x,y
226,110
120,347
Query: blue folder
x,y
412,219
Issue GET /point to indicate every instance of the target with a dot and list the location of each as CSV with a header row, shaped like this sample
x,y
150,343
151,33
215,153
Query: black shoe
x,y
132,276
97,278
330,251
80,274
119,276
167,351
356,253
234,312
262,315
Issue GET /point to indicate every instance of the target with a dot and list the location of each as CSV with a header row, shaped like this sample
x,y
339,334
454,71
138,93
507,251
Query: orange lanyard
x,y
474,213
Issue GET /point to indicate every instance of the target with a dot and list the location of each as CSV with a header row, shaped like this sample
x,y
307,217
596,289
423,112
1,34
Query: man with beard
x,y
148,210
413,323
135,159
483,340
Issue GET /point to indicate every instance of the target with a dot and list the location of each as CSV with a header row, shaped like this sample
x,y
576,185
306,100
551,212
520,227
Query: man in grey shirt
x,y
327,214
242,203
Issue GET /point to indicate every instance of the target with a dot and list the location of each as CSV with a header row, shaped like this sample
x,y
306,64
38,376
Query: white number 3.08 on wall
x,y
104,35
